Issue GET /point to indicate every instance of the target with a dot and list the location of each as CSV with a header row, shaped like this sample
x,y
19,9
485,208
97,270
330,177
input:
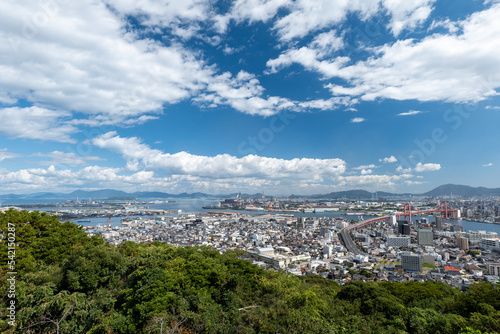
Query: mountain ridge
x,y
443,190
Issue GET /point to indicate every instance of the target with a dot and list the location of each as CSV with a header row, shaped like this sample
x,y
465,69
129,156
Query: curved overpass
x,y
353,248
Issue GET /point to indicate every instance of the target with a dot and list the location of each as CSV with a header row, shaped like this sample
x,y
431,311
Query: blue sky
x,y
280,96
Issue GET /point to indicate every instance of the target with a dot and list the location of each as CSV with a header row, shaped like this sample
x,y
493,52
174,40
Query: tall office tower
x,y
463,243
400,226
439,223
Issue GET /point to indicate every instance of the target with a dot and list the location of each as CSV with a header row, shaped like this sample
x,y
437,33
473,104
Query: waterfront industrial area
x,y
341,240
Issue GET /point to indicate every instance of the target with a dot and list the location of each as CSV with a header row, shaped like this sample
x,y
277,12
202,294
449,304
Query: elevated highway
x,y
351,246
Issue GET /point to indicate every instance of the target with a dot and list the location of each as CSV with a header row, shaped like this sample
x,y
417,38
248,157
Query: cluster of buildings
x,y
429,250
483,209
387,250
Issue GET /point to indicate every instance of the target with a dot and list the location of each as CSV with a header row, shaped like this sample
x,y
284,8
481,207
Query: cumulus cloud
x,y
329,104
220,166
307,16
407,14
390,159
243,92
427,167
366,167
439,67
251,11
384,181
53,178
84,59
163,13
36,123
304,17
315,56
358,120
400,169
488,164
412,183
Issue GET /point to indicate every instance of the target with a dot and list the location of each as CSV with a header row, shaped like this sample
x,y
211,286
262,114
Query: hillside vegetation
x,y
69,282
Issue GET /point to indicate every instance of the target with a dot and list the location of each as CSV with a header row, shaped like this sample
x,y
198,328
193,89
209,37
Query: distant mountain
x,y
463,191
151,194
444,190
10,196
97,194
47,195
355,194
351,194
157,194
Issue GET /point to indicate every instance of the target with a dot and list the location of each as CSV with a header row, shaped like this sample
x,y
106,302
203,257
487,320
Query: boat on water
x,y
84,221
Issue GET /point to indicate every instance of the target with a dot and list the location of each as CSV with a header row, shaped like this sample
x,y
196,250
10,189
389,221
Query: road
x,y
349,243
345,235
354,249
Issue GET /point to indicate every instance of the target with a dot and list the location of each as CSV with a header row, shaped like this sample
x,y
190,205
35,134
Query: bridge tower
x,y
444,208
407,211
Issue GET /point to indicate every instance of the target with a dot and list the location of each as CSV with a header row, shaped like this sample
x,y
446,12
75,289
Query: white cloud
x,y
358,120
115,120
5,154
163,13
410,113
365,167
438,67
255,10
454,68
313,55
307,16
91,176
36,123
427,167
488,164
400,169
332,103
390,159
86,60
366,171
407,14
381,181
452,27
6,99
219,166
243,92
412,183
65,158
81,59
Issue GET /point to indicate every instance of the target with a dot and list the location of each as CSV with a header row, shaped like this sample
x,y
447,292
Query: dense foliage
x,y
82,285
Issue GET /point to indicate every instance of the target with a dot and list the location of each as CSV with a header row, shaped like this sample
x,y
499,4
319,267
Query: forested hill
x,y
82,285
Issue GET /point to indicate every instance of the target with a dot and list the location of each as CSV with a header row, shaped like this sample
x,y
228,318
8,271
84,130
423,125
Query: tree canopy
x,y
75,284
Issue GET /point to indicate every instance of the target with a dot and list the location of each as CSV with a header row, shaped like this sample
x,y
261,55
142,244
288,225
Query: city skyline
x,y
278,96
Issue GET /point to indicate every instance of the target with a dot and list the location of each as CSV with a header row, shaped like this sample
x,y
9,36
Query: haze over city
x,y
278,96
